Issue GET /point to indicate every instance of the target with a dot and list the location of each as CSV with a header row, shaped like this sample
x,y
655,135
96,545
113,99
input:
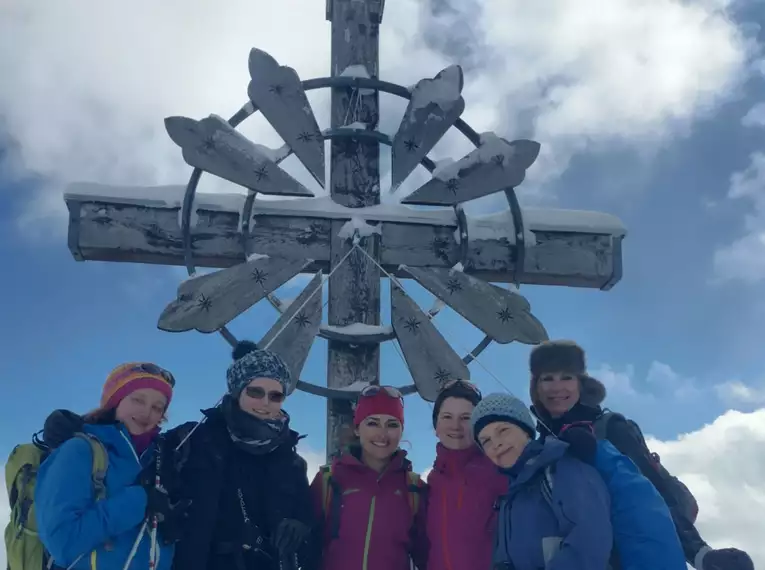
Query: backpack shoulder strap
x,y
414,489
326,486
100,463
547,484
332,498
600,425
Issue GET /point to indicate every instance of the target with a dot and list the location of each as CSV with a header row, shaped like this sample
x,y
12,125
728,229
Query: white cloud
x,y
88,83
755,117
614,380
736,392
744,259
315,459
722,464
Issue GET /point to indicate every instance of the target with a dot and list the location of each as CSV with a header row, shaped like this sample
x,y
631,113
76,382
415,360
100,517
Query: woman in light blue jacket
x,y
113,531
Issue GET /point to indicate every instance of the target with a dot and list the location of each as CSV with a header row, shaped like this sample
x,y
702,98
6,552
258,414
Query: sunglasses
x,y
258,393
154,370
374,389
462,383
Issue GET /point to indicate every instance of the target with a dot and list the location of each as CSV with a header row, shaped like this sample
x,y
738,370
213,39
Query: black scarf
x,y
252,434
578,413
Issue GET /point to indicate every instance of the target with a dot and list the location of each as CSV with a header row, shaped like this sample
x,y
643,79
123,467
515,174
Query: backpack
x,y
680,495
23,547
332,495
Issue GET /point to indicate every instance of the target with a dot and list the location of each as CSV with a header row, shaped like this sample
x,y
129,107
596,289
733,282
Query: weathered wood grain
x,y
494,165
278,93
354,290
208,302
104,230
430,359
502,314
293,333
216,147
434,107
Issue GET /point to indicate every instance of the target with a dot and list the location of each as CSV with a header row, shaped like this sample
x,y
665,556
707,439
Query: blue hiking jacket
x,y
72,524
644,533
569,529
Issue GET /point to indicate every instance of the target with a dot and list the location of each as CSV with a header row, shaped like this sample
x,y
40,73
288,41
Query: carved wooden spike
x,y
215,146
495,165
429,357
279,95
502,314
434,107
208,302
294,341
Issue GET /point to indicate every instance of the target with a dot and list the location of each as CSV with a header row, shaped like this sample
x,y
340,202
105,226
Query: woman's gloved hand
x,y
581,441
289,536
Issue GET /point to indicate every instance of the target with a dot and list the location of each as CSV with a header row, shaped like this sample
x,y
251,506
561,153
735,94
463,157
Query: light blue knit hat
x,y
501,407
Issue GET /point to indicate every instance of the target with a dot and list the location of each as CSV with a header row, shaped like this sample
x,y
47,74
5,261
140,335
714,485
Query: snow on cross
x,y
258,245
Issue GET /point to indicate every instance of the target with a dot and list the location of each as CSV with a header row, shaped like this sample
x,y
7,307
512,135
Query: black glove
x,y
60,427
171,529
157,498
726,559
289,536
581,442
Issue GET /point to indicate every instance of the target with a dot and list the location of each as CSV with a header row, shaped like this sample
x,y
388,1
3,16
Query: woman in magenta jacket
x,y
464,487
370,500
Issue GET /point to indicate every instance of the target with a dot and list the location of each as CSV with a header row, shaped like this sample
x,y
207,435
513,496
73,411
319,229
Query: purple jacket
x,y
557,514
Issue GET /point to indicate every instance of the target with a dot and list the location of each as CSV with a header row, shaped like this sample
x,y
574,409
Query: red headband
x,y
380,403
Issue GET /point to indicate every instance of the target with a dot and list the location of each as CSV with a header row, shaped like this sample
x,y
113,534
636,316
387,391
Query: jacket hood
x,y
538,455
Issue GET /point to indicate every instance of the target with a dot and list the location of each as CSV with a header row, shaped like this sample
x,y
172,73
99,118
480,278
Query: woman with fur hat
x,y
370,500
81,529
464,486
556,514
250,505
565,395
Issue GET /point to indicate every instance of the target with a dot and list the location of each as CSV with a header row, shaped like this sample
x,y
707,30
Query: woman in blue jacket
x,y
113,533
557,513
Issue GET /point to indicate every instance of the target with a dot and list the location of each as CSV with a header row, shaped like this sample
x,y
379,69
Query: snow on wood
x,y
256,256
435,106
359,329
442,165
493,166
579,221
444,90
357,228
356,125
356,386
358,70
275,154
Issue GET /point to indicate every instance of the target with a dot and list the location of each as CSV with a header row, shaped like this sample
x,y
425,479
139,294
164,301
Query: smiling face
x,y
142,410
503,442
558,392
262,398
380,435
453,423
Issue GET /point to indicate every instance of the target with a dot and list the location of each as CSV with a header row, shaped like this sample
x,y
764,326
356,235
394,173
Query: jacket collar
x,y
454,459
547,425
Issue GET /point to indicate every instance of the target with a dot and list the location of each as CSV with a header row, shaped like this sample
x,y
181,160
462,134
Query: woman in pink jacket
x,y
371,502
464,487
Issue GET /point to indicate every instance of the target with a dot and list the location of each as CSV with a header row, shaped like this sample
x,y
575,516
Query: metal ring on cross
x,y
357,83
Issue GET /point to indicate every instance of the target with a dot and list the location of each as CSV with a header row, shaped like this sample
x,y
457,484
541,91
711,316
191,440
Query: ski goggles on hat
x,y
462,383
375,389
154,370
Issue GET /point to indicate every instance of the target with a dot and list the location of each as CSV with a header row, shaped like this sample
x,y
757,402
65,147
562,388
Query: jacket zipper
x,y
368,537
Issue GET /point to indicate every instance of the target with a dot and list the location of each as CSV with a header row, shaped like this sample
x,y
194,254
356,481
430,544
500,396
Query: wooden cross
x,y
260,244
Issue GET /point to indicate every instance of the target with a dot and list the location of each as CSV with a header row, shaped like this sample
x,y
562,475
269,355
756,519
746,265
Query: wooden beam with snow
x,y
563,247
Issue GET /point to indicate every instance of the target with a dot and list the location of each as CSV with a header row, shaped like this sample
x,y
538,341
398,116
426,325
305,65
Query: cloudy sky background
x,y
654,112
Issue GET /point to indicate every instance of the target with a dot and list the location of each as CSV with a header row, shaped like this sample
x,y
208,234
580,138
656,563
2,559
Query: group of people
x,y
563,485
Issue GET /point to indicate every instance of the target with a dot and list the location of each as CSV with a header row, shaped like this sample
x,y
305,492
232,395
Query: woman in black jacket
x,y
565,395
239,471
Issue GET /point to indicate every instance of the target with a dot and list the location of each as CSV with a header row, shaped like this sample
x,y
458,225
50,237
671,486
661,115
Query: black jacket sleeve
x,y
623,436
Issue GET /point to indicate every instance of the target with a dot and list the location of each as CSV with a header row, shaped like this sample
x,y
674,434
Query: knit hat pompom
x,y
456,391
500,407
251,362
243,348
565,356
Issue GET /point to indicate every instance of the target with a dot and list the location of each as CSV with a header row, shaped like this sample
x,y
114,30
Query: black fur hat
x,y
564,356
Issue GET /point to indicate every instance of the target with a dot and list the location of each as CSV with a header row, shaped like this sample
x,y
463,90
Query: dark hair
x,y
101,416
456,391
242,348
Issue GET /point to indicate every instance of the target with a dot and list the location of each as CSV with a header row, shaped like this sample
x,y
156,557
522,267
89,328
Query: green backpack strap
x,y
414,490
99,466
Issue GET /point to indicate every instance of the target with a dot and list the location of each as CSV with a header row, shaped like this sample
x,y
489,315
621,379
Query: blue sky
x,y
677,341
